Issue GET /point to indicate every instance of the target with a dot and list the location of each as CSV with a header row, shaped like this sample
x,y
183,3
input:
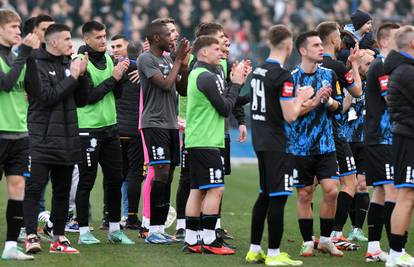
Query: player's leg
x,y
110,159
259,213
135,179
327,173
347,176
35,182
14,162
61,178
183,191
361,198
90,148
192,219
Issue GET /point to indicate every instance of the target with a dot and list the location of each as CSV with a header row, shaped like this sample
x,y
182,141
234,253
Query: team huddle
x,y
343,120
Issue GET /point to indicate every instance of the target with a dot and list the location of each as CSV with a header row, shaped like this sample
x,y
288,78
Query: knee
x,y
362,185
216,192
330,194
349,184
304,197
162,173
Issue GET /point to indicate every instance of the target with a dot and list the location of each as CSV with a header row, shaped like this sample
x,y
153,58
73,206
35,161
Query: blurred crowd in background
x,y
245,21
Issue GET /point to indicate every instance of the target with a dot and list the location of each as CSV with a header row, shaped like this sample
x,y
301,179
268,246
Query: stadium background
x,y
245,22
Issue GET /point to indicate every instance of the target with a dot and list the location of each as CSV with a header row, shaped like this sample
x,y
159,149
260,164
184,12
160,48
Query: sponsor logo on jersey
x,y
287,90
349,77
383,82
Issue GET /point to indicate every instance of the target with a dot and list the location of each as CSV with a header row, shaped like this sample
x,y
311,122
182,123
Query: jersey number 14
x,y
258,95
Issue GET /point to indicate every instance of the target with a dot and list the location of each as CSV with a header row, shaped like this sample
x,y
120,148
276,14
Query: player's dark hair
x,y
209,28
384,30
203,41
302,39
55,28
91,26
325,28
278,33
28,26
42,18
134,49
154,28
164,20
119,36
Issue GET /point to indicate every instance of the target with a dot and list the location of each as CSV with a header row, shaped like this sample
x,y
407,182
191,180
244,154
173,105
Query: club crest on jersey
x,y
383,82
349,77
287,89
67,72
93,142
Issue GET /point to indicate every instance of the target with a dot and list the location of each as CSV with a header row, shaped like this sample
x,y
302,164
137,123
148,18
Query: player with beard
x,y
348,79
378,146
146,210
354,117
99,134
160,82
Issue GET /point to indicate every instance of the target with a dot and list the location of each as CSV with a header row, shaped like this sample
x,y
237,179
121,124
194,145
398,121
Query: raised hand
x,y
183,49
304,93
76,67
32,41
120,69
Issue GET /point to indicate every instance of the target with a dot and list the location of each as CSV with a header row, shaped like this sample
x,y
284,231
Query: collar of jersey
x,y
328,55
273,61
406,55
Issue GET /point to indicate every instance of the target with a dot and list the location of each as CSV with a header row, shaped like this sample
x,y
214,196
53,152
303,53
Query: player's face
x,y
164,39
365,61
313,49
96,40
214,54
10,33
174,35
226,51
221,37
119,48
41,29
63,42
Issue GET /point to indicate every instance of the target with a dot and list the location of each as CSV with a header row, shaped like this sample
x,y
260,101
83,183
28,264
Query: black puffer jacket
x,y
127,106
401,92
52,118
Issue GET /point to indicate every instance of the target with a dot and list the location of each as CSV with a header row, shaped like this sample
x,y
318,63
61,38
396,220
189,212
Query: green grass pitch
x,y
240,194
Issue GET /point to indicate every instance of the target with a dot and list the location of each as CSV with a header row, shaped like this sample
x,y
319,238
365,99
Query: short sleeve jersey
x,y
270,83
345,81
355,117
312,133
160,107
377,127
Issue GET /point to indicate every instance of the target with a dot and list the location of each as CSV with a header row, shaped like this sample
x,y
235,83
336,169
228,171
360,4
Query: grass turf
x,y
240,195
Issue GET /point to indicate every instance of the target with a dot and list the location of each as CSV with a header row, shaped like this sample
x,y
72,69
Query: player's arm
x,y
223,103
183,80
51,94
347,103
353,60
81,94
31,79
334,102
112,83
8,80
292,101
166,83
